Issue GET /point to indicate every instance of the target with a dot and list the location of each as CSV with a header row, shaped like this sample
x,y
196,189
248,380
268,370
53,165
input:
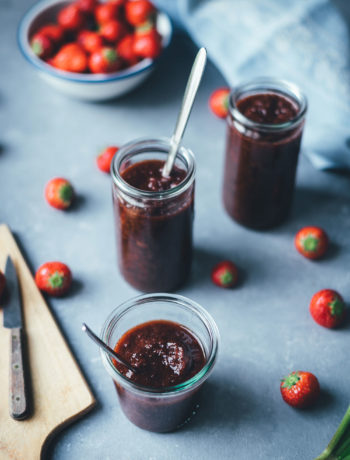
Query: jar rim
x,y
196,309
268,85
144,145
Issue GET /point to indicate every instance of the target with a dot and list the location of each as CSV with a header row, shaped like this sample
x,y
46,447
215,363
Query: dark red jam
x,y
164,353
260,164
154,237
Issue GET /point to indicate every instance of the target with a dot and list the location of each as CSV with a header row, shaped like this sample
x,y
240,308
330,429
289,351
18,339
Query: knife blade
x,y
18,401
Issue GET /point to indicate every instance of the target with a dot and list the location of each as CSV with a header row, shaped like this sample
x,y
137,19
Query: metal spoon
x,y
190,93
106,348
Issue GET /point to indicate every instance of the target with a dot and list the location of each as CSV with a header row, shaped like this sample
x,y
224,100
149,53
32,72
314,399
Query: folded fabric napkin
x,y
305,42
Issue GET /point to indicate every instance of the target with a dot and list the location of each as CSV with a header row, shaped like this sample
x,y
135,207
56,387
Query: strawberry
x,y
71,57
52,31
311,242
71,17
105,158
87,6
42,46
106,12
113,30
90,41
327,308
138,12
125,49
2,283
55,278
218,102
59,193
300,389
147,42
104,60
225,274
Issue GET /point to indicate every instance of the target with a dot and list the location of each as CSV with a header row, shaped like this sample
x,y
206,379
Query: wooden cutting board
x,y
60,392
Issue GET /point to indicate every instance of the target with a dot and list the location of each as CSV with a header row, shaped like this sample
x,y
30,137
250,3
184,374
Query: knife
x,y
18,402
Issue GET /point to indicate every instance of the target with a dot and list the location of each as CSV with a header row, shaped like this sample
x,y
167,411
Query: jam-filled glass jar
x,y
264,130
187,351
153,214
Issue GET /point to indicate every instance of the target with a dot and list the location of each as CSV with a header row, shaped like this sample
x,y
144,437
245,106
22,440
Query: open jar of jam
x,y
173,343
153,214
264,130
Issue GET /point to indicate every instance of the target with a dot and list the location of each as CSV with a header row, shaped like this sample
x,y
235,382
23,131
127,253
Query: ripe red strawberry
x,y
90,41
311,242
105,158
225,274
125,49
218,102
59,193
71,57
42,46
113,30
106,12
52,31
2,283
138,12
327,308
55,278
71,17
104,60
147,42
87,6
300,389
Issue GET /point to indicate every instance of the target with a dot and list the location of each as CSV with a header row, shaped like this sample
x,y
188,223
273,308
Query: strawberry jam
x,y
154,232
263,142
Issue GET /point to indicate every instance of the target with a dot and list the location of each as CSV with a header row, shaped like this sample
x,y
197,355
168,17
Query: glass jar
x,y
262,156
160,409
153,228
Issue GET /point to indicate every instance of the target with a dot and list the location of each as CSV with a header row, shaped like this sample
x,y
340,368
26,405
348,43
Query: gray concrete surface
x,y
265,327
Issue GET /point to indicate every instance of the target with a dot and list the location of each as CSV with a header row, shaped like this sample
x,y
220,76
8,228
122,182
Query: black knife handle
x,y
18,394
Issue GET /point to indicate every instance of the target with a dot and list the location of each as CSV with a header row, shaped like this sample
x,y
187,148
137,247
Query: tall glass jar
x,y
153,228
160,409
264,130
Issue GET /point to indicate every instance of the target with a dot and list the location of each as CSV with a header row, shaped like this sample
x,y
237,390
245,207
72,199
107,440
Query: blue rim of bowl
x,y
34,10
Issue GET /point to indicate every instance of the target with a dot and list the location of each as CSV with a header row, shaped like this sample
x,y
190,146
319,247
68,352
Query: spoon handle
x,y
106,348
186,107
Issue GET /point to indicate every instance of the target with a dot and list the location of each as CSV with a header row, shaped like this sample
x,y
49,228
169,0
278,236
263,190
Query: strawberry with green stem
x,y
219,101
327,308
54,278
224,274
311,242
300,389
59,193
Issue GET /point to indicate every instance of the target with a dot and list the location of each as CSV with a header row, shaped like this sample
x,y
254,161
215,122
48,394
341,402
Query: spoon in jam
x,y
107,349
190,93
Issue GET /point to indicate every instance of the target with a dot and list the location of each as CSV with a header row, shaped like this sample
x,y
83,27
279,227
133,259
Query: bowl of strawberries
x,y
94,50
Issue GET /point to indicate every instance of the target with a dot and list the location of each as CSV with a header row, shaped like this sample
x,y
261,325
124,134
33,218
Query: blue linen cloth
x,y
305,42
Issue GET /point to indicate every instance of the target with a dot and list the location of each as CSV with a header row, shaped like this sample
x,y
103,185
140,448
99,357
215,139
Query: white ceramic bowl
x,y
91,87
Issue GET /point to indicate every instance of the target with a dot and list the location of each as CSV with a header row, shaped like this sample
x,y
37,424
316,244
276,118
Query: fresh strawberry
x,y
87,6
138,12
327,308
59,193
105,158
71,57
147,42
106,12
55,278
2,283
54,32
311,242
125,49
104,60
90,41
42,46
218,102
225,274
71,17
113,30
300,389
